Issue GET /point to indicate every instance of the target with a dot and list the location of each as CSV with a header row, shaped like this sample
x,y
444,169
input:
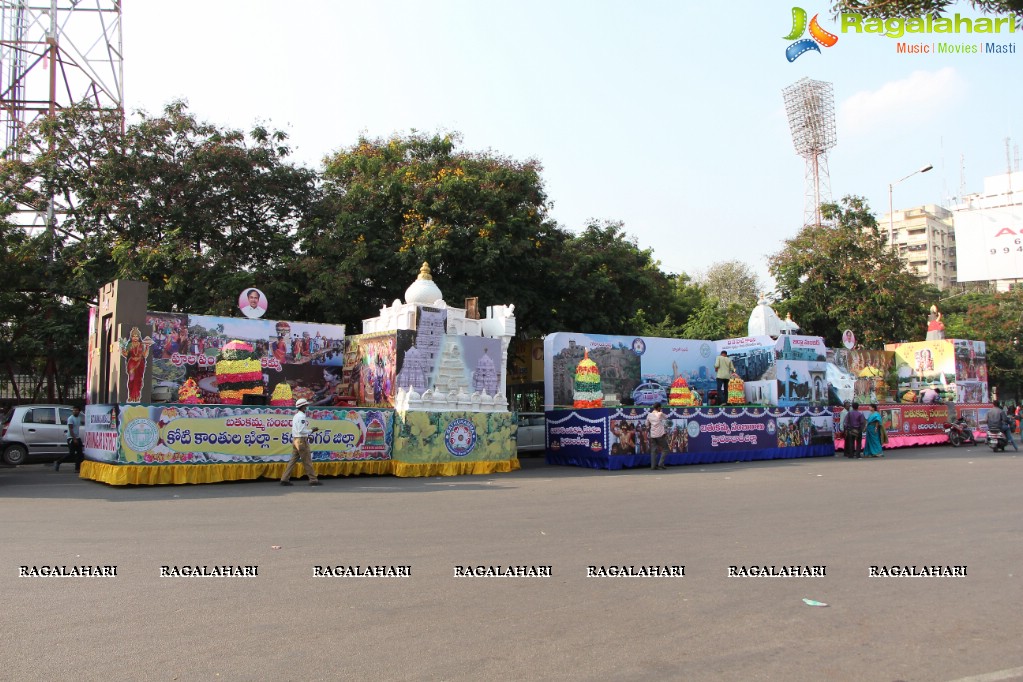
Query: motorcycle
x,y
997,441
959,432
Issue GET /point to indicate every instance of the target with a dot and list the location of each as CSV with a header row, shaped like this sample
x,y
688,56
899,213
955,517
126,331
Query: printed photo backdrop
x,y
299,353
633,370
956,368
432,359
866,376
753,356
640,370
371,361
801,370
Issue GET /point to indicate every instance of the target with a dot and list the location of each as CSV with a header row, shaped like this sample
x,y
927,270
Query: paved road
x,y
923,506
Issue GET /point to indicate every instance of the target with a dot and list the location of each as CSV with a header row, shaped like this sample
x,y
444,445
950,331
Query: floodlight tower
x,y
55,54
810,106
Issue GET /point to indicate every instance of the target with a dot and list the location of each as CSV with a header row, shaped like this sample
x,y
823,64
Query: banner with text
x,y
205,434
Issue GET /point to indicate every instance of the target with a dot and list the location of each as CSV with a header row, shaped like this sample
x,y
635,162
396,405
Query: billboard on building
x,y
989,244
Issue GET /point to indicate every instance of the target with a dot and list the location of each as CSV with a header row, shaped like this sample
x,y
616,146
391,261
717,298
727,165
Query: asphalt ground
x,y
918,506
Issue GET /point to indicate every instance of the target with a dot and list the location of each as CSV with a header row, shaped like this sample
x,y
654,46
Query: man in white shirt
x,y
658,423
74,440
300,433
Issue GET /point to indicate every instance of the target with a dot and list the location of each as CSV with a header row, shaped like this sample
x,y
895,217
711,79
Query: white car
x,y
35,432
532,432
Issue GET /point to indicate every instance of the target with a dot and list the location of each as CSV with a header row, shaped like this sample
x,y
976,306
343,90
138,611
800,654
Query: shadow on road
x,y
39,481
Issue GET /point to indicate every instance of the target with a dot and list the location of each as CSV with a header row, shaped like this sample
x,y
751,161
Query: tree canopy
x,y
914,8
844,276
997,319
482,222
479,219
195,210
731,282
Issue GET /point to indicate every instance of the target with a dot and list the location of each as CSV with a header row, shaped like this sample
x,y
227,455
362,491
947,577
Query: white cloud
x,y
910,101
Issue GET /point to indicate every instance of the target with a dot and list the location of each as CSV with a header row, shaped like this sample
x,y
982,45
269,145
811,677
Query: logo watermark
x,y
818,36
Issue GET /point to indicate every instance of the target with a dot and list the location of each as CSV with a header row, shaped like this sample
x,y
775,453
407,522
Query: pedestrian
x,y
873,430
74,440
842,416
854,425
657,421
300,433
723,369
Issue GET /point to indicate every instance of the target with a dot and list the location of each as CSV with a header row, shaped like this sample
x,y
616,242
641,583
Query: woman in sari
x,y
872,447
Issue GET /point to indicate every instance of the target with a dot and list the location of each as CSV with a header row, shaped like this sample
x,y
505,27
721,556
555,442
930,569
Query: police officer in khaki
x,y
300,432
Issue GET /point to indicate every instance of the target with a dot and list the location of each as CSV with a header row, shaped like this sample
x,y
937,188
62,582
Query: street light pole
x,y
891,209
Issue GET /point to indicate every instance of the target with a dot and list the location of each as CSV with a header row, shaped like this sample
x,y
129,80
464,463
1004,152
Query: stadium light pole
x,y
810,107
891,210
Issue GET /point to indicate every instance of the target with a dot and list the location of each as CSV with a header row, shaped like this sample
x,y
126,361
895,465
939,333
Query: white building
x,y
925,238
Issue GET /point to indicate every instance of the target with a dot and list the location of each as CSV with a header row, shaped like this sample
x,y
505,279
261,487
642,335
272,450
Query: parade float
x,y
775,405
918,386
180,398
781,402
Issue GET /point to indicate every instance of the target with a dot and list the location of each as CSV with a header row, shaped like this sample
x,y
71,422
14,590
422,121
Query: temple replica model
x,y
181,398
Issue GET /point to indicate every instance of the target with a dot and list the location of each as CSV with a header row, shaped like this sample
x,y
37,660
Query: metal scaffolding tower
x,y
810,106
56,54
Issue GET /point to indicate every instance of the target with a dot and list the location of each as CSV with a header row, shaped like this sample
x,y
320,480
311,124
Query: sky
x,y
665,115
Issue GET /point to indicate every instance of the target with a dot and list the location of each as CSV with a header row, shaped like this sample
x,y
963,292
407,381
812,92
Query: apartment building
x,y
925,238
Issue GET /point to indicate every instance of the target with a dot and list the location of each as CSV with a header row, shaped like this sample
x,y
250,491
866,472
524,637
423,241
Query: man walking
x,y
723,368
657,421
74,440
300,432
842,417
855,422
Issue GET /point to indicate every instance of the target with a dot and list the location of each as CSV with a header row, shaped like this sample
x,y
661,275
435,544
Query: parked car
x,y
532,433
34,433
649,393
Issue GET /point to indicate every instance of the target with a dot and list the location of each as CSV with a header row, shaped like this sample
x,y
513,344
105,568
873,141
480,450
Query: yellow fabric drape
x,y
455,468
180,474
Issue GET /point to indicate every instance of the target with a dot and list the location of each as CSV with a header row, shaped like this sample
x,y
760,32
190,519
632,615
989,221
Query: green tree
x,y
996,319
735,288
479,219
41,331
844,275
607,284
915,8
197,211
708,322
732,282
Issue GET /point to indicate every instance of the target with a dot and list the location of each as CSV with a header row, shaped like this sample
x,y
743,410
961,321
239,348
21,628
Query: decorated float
x,y
763,415
775,405
781,402
180,398
918,386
